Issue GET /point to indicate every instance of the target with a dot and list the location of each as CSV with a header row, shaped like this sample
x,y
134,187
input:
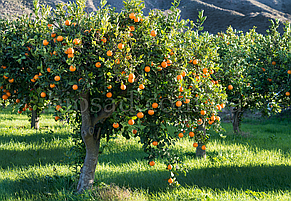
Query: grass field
x,y
254,166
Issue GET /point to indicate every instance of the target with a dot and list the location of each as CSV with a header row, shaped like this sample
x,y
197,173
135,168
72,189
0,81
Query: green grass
x,y
252,166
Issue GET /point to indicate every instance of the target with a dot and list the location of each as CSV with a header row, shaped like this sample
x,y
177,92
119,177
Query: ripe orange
x,y
67,22
264,69
43,95
48,70
131,76
152,163
217,118
273,62
183,74
30,108
141,86
140,115
98,64
132,16
181,135
45,42
222,105
170,167
123,87
136,19
130,80
153,33
57,78
203,147
287,93
131,122
181,89
131,28
5,77
52,85
179,103
70,51
4,97
187,101
205,70
115,125
203,112
72,68
103,40
109,87
179,77
19,111
134,131
164,64
70,55
195,61
289,72
212,118
230,87
32,80
117,61
170,180
147,69
120,46
155,143
195,144
76,41
191,134
60,38
155,105
17,101
109,53
211,72
49,25
11,80
75,87
58,107
199,121
109,95
151,112
57,118
8,93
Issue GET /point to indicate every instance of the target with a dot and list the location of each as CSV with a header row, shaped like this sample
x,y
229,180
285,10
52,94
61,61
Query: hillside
x,y
241,14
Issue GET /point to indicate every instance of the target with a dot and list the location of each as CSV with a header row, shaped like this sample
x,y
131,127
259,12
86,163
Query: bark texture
x,y
91,138
35,119
236,117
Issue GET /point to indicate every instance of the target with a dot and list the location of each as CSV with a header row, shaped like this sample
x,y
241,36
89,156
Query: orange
x,y
181,89
134,131
60,38
170,167
195,144
19,111
222,105
164,64
120,46
136,19
212,118
115,125
30,108
151,112
203,147
195,61
70,51
199,121
287,93
32,80
141,86
140,115
152,64
5,77
264,69
183,74
289,72
49,25
131,28
109,53
57,78
153,33
98,64
187,101
43,94
131,122
75,87
152,163
147,69
131,76
179,77
130,80
109,87
8,93
48,70
109,95
45,42
67,22
17,101
170,180
117,61
132,16
211,72
103,40
72,68
58,107
53,35
155,105
203,112
155,143
181,135
4,97
205,70
123,87
76,41
11,80
57,118
230,87
52,85
70,55
273,62
179,103
217,118
191,134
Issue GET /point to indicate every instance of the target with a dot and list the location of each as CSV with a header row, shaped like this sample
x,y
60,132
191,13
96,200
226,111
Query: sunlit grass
x,y
252,166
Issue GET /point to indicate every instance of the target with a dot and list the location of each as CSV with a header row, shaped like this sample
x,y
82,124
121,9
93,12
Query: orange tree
x,y
20,65
128,73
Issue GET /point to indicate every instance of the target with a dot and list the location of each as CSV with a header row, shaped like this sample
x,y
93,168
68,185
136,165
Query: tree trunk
x,y
200,153
236,114
35,119
91,138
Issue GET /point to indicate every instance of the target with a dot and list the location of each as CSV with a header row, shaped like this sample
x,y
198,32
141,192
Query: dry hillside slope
x,y
241,14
